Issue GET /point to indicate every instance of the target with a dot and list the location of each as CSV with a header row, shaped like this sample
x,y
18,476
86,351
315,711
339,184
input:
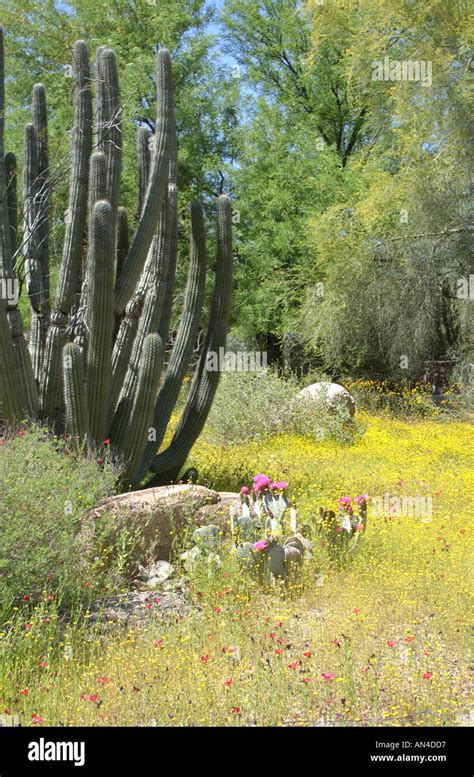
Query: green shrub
x,y
251,405
46,489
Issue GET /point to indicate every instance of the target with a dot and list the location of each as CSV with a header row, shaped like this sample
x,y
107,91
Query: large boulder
x,y
156,516
331,394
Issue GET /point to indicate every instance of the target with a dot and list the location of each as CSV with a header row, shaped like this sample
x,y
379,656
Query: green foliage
x,y
362,232
251,406
46,492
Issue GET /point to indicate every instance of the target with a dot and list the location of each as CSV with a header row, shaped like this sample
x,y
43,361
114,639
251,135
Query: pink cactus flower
x,y
260,545
260,482
345,503
244,490
280,486
361,499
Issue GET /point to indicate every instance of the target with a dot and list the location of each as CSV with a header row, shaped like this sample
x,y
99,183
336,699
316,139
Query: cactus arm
x,y
29,390
143,154
16,362
75,396
12,201
33,268
97,191
123,239
109,129
69,278
6,269
122,351
204,385
141,415
164,327
143,237
32,265
182,350
100,318
12,406
40,123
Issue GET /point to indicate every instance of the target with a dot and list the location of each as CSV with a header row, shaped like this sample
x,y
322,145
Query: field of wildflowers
x,y
379,640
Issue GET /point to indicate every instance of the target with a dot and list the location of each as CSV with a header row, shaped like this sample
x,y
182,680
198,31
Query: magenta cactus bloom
x,y
260,481
345,504
244,490
260,545
361,498
280,486
344,501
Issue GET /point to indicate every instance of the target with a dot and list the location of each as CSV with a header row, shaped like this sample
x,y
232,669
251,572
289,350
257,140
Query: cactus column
x,y
98,356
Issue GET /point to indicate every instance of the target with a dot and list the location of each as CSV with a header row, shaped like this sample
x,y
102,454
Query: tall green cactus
x,y
96,357
100,318
75,396
69,277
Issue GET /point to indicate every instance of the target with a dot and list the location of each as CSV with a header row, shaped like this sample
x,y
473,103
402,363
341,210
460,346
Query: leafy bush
x,y
252,406
46,489
403,399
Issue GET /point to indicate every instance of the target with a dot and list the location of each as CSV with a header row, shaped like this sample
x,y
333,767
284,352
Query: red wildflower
x,y
26,598
229,682
25,692
205,658
326,676
427,675
235,710
307,654
37,719
390,642
294,665
103,680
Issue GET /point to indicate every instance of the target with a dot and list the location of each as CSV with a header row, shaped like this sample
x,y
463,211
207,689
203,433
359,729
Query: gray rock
x,y
153,515
155,574
330,394
139,608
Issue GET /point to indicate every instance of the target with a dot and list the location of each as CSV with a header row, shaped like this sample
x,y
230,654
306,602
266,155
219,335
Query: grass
x,y
382,640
